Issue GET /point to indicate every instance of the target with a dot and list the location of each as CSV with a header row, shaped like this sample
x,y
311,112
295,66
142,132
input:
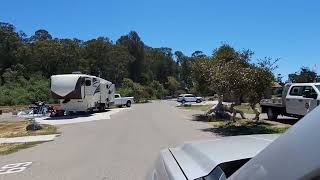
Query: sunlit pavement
x,y
122,147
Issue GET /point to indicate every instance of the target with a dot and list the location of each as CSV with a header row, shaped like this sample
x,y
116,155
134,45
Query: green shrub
x,y
24,91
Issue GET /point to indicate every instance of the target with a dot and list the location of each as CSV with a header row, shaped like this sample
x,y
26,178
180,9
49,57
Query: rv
x,y
81,92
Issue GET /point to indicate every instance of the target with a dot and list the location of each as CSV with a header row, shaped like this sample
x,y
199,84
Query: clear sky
x,y
286,29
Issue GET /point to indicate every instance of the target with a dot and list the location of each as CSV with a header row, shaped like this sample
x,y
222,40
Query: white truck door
x,y
309,99
117,99
294,101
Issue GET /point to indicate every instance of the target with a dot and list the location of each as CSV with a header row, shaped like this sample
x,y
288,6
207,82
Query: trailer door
x,y
88,87
111,93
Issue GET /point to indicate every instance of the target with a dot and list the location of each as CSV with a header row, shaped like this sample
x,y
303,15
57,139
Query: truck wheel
x,y
128,104
102,108
198,101
272,115
183,101
90,111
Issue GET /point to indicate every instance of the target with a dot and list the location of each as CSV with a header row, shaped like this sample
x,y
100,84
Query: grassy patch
x,y
247,127
244,108
17,129
195,107
8,148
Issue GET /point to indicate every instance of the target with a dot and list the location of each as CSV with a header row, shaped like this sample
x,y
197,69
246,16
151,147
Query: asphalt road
x,y
120,148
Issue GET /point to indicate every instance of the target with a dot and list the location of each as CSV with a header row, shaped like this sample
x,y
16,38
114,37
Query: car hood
x,y
199,158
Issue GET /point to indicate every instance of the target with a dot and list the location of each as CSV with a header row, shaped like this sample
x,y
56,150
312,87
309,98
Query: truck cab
x,y
121,101
302,98
297,100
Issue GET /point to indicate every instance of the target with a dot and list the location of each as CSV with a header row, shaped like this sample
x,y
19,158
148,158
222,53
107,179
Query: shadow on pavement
x,y
75,116
200,117
290,121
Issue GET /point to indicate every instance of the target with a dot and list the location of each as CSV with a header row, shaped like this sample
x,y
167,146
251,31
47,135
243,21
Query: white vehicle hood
x,y
198,159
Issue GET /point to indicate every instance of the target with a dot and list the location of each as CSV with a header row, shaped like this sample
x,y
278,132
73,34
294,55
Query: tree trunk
x,y
221,111
255,110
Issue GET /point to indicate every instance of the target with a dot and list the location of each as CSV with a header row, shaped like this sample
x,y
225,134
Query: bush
x,y
158,89
25,91
139,92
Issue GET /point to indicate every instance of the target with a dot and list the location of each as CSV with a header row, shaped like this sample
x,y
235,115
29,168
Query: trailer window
x,y
88,82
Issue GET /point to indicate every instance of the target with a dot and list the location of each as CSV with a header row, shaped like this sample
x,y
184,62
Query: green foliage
x,y
25,91
304,76
172,85
230,73
135,68
130,88
158,89
185,68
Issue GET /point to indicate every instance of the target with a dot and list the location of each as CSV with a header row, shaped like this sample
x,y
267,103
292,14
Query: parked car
x,y
297,100
121,101
293,155
183,98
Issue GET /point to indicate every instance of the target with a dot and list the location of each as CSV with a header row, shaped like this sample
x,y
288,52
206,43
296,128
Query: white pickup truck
x,y
121,101
297,100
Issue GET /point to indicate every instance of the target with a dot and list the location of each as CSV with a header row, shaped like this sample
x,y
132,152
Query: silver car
x,y
293,155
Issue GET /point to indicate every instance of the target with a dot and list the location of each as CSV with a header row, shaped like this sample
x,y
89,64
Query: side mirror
x,y
314,95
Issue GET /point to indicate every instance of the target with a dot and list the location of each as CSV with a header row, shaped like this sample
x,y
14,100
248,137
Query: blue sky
x,y
286,29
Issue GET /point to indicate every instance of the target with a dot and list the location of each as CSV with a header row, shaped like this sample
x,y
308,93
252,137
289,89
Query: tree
x,y
46,57
185,68
229,73
41,35
172,85
117,65
258,80
135,47
304,76
200,73
225,52
279,79
198,54
161,63
158,88
10,41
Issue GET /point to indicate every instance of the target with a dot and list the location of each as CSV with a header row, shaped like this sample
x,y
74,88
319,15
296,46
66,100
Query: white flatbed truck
x,y
297,100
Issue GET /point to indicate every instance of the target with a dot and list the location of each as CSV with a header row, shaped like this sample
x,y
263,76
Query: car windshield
x,y
318,87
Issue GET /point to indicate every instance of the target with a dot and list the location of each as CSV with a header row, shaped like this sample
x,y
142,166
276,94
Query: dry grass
x,y
17,129
7,109
14,147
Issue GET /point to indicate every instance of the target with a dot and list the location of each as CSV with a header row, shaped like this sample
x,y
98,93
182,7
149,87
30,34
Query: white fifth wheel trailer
x,y
81,92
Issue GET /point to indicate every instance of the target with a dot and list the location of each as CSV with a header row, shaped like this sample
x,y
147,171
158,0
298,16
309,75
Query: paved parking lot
x,y
123,147
79,118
